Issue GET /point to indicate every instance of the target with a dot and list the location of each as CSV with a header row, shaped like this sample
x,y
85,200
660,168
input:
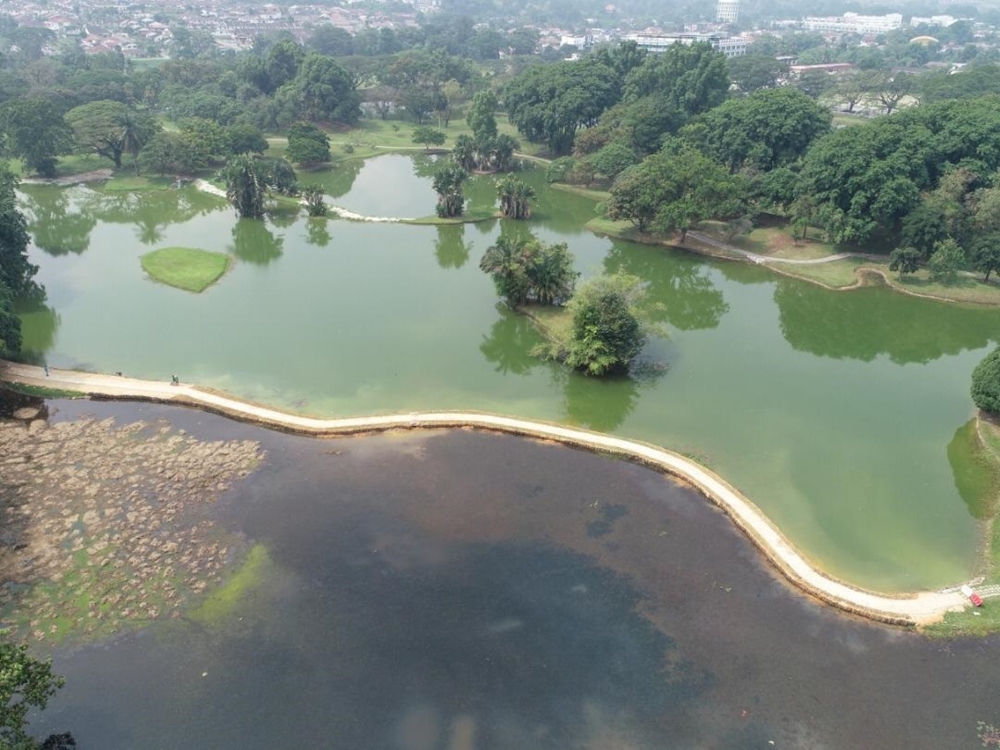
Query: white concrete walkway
x,y
918,608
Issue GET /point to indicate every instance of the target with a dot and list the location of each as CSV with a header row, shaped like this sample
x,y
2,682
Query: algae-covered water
x,y
832,411
454,590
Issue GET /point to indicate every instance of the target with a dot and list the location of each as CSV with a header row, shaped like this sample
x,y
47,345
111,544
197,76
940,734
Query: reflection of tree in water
x,y
39,323
865,323
600,404
55,228
679,290
977,478
317,232
283,216
254,243
509,343
450,248
151,211
338,181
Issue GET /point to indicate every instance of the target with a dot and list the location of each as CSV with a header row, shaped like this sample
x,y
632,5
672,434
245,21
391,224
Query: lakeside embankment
x,y
917,609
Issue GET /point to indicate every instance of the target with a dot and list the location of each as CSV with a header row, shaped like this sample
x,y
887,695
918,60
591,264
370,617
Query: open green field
x,y
186,268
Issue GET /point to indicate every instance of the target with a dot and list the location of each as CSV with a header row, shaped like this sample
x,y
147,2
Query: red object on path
x,y
976,599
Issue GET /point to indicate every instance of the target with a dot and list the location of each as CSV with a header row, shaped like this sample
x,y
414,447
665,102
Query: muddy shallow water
x,y
463,590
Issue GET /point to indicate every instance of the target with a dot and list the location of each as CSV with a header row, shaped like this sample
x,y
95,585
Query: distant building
x,y
933,21
732,46
727,11
852,23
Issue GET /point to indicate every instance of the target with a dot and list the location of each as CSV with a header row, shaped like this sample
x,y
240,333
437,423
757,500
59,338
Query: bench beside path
x,y
904,609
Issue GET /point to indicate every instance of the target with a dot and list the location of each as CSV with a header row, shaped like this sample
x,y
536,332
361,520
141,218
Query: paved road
x,y
918,608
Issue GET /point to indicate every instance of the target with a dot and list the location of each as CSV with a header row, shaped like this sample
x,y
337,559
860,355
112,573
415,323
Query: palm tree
x,y
448,185
246,186
551,273
515,196
507,263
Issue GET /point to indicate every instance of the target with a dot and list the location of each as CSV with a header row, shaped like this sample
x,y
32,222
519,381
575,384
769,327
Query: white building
x,y
727,11
733,46
933,21
852,23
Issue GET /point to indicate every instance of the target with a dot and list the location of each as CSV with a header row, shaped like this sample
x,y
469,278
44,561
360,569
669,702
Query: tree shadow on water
x,y
450,248
254,243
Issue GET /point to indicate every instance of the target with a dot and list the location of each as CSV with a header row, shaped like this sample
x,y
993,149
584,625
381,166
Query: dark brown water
x,y
454,590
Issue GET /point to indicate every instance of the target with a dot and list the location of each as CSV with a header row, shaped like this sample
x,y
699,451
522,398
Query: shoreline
x,y
921,608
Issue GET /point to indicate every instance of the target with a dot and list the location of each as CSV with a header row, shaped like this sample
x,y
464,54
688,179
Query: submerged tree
x,y
607,333
250,180
315,205
448,185
515,197
525,269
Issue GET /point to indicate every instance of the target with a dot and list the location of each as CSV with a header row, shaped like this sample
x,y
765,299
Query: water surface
x,y
832,411
456,590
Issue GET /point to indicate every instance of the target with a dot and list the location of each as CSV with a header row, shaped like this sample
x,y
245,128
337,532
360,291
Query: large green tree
x,y
523,269
549,103
35,132
307,144
674,189
986,383
328,91
607,333
110,129
768,129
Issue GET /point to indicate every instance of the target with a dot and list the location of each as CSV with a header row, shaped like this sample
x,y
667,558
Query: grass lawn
x,y
185,268
598,196
372,137
478,213
131,182
41,391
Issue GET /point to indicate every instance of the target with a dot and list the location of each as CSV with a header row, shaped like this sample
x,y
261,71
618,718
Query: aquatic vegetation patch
x,y
224,600
105,528
185,268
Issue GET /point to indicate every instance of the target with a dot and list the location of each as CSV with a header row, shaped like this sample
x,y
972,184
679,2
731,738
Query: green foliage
x,y
515,197
548,103
10,324
946,261
674,189
16,273
752,72
25,684
428,136
314,195
613,159
185,268
245,139
986,254
307,144
905,260
35,132
763,131
557,169
110,129
986,383
447,184
328,92
523,269
607,334
690,79
249,180
481,117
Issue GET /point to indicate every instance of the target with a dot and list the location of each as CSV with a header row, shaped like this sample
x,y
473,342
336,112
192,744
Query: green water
x,y
832,411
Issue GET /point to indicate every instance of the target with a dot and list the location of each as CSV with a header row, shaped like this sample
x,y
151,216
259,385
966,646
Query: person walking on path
x,y
46,370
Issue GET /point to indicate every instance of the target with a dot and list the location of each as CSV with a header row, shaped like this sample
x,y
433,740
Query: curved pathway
x,y
757,258
919,608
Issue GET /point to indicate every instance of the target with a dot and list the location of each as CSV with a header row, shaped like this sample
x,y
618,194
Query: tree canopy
x,y
110,129
986,383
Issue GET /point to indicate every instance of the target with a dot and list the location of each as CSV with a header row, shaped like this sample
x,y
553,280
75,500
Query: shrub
x,y
986,383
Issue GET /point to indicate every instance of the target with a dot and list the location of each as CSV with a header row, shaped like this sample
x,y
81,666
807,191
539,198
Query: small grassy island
x,y
186,268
